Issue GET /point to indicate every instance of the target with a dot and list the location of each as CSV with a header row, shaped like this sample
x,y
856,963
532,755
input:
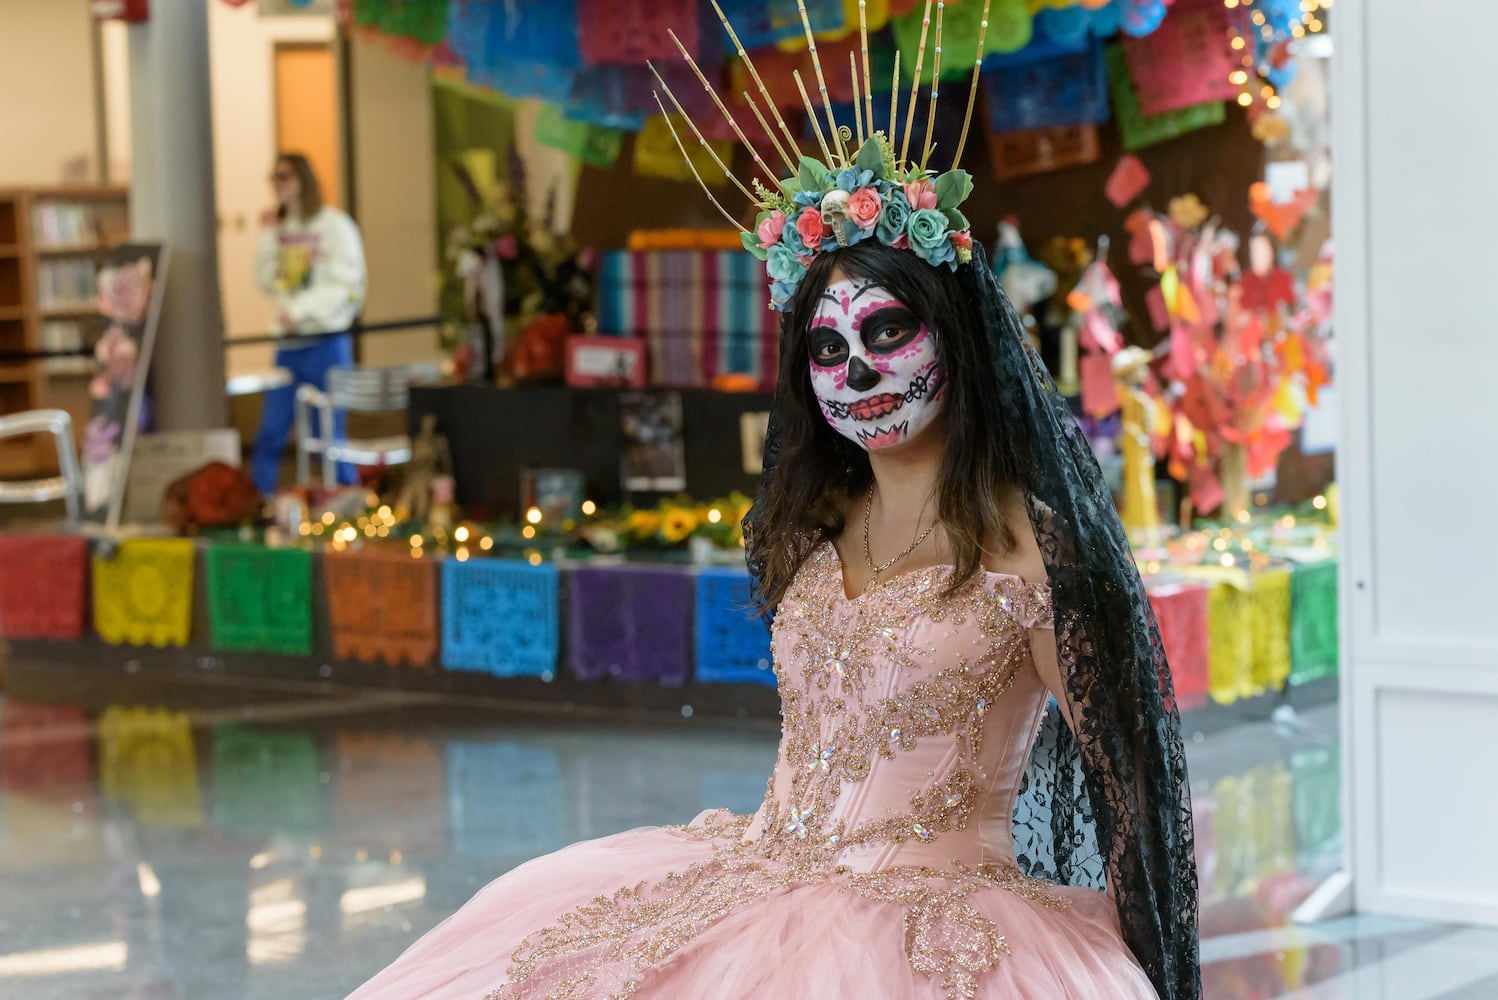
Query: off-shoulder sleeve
x,y
1031,604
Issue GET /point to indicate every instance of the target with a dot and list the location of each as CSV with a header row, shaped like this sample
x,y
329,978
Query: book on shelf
x,y
70,224
65,335
66,284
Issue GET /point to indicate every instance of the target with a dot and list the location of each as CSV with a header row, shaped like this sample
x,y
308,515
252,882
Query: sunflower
x,y
677,524
643,523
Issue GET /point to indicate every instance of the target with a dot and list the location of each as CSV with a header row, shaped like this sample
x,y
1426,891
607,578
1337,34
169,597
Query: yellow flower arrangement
x,y
677,524
643,523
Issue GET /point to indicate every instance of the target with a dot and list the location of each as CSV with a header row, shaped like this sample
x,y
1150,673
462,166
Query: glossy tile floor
x,y
291,844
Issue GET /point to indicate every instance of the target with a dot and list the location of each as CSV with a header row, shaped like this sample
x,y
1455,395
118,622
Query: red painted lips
x,y
876,407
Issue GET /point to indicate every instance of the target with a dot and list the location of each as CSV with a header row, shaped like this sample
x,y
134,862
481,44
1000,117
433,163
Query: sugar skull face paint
x,y
875,367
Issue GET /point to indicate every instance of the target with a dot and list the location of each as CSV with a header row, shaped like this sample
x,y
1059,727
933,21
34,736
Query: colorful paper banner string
x,y
147,763
1314,642
1270,608
630,32
44,588
657,155
592,144
769,22
1230,644
518,78
541,31
732,645
266,782
1181,611
1140,130
1184,62
375,769
382,606
423,20
500,617
1068,89
529,819
626,623
259,598
143,592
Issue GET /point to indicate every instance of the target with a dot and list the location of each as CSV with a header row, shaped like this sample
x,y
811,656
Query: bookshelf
x,y
50,241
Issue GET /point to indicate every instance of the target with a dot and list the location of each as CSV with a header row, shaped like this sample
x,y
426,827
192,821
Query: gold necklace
x,y
868,558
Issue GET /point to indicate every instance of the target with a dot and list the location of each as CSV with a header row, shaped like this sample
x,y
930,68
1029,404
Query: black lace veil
x,y
1111,799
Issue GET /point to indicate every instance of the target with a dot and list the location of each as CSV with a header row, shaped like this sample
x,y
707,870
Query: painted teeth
x,y
885,435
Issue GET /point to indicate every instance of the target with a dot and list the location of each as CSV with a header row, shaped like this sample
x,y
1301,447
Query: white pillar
x,y
172,200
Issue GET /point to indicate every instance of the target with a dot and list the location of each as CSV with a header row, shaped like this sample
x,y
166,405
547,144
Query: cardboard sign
x,y
131,280
161,459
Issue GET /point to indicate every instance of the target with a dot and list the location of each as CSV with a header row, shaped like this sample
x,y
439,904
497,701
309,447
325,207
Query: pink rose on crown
x,y
864,206
771,230
920,194
811,228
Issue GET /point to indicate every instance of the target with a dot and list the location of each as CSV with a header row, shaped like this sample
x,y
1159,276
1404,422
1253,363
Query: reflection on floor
x,y
292,845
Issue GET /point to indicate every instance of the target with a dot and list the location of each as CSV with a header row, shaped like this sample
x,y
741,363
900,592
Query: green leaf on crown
x,y
812,175
751,243
952,188
871,157
956,220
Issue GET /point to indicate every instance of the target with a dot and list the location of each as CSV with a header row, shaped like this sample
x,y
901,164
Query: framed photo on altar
x,y
556,493
594,362
655,458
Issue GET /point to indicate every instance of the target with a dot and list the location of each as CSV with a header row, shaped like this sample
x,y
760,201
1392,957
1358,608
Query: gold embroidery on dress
x,y
836,723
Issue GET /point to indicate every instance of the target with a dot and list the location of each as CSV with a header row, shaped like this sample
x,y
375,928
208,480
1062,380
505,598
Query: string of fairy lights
x,y
1251,76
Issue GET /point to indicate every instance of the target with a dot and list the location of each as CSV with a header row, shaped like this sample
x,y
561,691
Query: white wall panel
x,y
1433,336
1416,217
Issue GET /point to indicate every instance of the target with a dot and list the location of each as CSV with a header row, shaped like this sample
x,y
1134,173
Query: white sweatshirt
x,y
315,270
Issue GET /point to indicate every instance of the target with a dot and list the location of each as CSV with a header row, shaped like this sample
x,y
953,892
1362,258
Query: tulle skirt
x,y
741,936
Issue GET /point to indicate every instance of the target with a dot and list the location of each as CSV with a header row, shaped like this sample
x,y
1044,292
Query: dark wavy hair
x,y
806,497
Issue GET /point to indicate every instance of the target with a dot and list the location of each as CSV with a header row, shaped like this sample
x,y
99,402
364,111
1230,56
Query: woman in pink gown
x,y
916,651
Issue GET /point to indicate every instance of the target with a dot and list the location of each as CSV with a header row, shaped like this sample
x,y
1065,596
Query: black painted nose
x,y
861,377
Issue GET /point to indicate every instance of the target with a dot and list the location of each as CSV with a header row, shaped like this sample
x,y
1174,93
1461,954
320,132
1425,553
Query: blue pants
x,y
308,366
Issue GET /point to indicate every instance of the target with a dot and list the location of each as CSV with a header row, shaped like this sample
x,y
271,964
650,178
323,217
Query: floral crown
x,y
851,193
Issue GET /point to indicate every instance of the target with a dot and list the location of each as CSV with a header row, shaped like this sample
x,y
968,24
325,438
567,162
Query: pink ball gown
x,y
879,865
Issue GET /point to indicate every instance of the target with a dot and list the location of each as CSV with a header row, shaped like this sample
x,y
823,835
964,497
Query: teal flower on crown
x,y
892,218
790,237
783,265
927,229
852,179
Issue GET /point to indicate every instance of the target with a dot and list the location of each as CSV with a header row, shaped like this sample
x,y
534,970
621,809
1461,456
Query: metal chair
x,y
67,486
353,390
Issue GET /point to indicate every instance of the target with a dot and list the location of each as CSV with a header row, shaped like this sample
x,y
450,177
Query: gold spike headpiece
x,y
851,194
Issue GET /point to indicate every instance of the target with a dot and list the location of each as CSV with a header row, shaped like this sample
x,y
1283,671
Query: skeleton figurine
x,y
430,458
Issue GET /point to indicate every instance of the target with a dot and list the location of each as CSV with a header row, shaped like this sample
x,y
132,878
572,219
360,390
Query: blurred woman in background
x,y
311,259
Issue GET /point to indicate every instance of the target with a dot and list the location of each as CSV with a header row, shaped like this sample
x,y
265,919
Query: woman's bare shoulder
x,y
1023,558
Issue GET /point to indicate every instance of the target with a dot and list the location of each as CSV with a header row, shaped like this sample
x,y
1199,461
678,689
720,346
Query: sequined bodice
x,y
908,718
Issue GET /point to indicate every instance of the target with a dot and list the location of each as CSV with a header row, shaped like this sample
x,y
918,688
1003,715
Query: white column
x,y
1415,218
172,200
